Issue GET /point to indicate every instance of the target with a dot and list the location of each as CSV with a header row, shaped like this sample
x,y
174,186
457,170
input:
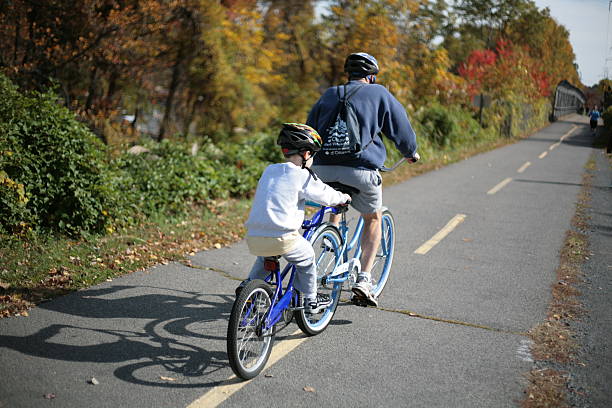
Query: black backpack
x,y
341,135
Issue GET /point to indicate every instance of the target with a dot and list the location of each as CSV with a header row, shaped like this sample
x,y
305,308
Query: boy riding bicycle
x,y
278,211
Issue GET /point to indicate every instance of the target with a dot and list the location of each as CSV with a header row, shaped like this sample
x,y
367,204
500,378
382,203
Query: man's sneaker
x,y
313,306
363,293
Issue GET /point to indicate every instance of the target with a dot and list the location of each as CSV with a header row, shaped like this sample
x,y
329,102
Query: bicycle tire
x,y
247,350
326,240
384,256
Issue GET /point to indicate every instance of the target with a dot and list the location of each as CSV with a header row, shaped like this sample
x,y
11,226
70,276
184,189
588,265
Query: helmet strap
x,y
304,160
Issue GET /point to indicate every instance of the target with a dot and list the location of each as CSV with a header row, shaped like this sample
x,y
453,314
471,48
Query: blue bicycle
x,y
265,306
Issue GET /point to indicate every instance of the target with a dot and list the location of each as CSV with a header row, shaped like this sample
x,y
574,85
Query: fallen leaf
x,y
269,375
161,377
309,389
4,285
49,396
217,245
467,239
93,381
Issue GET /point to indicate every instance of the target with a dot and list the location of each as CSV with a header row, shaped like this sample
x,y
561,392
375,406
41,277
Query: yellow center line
x,y
569,132
233,384
499,186
554,145
542,155
440,235
523,167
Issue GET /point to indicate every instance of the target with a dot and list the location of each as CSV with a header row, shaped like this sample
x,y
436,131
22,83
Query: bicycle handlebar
x,y
400,162
395,165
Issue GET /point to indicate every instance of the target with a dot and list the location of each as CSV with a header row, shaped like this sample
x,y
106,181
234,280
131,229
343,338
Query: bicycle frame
x,y
283,300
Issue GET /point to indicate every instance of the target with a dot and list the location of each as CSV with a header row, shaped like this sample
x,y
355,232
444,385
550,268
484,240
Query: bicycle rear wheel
x,y
384,257
248,345
326,242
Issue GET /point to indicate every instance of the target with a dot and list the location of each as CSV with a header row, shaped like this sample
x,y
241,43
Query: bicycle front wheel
x,y
384,257
327,243
248,344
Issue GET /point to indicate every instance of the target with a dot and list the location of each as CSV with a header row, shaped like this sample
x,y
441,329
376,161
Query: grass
x,y
35,269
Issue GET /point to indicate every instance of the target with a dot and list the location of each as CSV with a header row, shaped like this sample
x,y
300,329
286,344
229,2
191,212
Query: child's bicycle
x,y
264,307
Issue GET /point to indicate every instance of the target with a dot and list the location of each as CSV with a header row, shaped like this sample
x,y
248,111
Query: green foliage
x,y
51,166
449,126
169,179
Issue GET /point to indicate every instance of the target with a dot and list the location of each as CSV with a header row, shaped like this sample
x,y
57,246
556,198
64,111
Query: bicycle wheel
x,y
248,346
326,242
384,257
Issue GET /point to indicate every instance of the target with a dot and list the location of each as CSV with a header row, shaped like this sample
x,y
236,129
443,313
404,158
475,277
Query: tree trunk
x,y
17,36
92,89
170,98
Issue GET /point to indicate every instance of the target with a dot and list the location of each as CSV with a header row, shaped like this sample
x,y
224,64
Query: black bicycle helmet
x,y
361,64
297,137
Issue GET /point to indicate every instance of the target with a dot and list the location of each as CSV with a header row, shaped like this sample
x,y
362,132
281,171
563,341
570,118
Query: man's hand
x,y
347,198
415,158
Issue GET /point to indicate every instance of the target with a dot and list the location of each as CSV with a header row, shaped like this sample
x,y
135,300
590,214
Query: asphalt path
x,y
450,330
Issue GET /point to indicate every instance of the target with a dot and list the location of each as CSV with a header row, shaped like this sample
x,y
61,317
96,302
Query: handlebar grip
x,y
342,208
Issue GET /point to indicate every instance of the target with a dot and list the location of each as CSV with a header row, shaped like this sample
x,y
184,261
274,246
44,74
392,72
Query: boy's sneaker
x,y
314,306
363,293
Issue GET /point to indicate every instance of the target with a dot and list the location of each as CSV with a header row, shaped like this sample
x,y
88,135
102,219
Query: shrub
x,y
449,127
168,179
51,166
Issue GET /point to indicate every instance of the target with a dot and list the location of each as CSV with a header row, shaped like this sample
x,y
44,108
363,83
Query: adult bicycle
x,y
265,306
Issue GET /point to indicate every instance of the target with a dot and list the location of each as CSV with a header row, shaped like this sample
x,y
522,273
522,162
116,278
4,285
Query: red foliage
x,y
476,68
508,65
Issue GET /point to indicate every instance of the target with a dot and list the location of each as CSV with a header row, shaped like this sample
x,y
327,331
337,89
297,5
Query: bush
x,y
51,166
449,127
169,179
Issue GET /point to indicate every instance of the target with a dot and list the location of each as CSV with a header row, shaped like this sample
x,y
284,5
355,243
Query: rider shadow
x,y
180,332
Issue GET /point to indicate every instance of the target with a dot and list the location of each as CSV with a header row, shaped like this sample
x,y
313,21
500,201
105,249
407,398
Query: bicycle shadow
x,y
181,334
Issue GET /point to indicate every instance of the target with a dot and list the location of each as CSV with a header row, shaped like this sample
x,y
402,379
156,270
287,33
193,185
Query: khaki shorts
x,y
368,182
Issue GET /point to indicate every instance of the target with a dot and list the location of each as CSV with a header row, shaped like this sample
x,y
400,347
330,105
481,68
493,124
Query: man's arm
x,y
397,127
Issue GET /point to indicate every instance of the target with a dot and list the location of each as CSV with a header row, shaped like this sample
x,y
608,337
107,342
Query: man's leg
x,y
370,239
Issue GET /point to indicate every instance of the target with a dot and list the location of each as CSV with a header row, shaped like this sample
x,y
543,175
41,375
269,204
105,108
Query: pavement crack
x,y
210,268
451,321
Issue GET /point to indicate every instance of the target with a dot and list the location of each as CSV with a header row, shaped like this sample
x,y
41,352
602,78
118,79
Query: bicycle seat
x,y
343,188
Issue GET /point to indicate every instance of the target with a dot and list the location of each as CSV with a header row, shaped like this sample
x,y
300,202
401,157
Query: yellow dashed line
x,y
440,235
233,384
524,167
499,186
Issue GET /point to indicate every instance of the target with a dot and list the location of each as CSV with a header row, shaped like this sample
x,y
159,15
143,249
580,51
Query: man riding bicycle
x,y
377,111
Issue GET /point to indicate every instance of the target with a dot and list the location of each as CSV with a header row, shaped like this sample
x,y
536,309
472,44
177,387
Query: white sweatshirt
x,y
278,206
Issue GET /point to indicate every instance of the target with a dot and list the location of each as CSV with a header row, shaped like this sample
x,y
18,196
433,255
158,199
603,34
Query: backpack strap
x,y
345,97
